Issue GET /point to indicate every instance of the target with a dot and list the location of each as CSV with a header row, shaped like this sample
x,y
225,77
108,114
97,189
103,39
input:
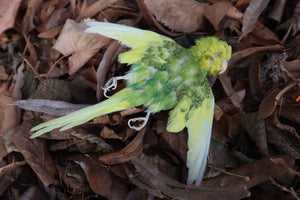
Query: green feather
x,y
163,76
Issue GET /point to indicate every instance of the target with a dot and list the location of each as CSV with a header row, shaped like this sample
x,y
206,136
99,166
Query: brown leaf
x,y
35,153
283,137
251,15
158,184
216,13
237,56
3,75
8,113
33,6
251,174
293,68
97,176
110,55
8,10
83,46
268,104
58,18
291,112
254,125
108,133
90,11
182,16
134,148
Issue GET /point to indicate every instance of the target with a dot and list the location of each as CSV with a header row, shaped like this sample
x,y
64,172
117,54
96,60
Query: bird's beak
x,y
224,65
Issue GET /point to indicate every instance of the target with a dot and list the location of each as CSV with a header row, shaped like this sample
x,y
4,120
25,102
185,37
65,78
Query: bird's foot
x,y
144,119
111,84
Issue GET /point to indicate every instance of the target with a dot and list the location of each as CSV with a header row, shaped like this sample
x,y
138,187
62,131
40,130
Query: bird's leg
x,y
111,84
144,119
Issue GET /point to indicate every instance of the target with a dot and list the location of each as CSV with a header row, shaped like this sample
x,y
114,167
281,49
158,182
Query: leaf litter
x,y
255,144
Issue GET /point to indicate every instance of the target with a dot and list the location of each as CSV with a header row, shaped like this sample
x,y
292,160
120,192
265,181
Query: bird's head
x,y
212,54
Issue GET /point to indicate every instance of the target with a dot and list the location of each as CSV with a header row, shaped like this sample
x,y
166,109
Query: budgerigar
x,y
163,76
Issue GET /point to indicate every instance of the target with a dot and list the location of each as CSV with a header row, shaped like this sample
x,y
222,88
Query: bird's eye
x,y
218,55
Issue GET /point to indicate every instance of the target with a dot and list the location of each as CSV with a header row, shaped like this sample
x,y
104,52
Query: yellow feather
x,y
199,128
177,117
129,36
133,56
125,98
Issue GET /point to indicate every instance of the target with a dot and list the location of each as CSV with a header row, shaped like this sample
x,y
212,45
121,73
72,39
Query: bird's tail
x,y
123,99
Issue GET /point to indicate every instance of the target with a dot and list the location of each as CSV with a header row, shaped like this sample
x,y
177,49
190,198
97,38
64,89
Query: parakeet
x,y
163,76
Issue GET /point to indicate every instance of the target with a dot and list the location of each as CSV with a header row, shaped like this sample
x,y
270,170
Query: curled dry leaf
x,y
133,149
182,16
110,55
268,104
97,176
8,10
83,46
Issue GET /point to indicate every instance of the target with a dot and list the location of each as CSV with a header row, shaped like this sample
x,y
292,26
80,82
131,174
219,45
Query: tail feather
x,y
124,99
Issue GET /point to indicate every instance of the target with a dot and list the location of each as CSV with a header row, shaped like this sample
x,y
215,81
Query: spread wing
x,y
128,36
138,40
199,127
198,121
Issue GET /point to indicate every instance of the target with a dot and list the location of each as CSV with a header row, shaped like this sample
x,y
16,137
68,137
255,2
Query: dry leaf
x,y
216,13
182,16
160,185
291,112
83,46
110,55
35,153
92,10
277,10
134,148
8,113
8,10
51,107
254,125
97,176
3,75
251,15
268,104
251,174
33,6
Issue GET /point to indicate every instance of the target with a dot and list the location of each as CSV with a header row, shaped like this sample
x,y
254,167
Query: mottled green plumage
x,y
163,76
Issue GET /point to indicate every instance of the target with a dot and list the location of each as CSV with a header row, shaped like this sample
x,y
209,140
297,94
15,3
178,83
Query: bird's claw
x,y
144,119
111,84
